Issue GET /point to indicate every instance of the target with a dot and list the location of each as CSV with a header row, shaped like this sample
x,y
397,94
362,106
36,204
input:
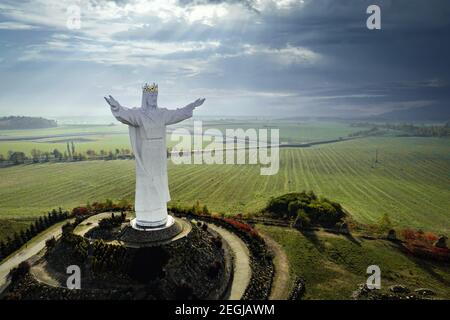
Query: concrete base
x,y
155,218
159,225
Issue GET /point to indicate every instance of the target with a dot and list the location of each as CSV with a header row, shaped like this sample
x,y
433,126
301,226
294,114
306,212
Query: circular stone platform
x,y
169,222
131,237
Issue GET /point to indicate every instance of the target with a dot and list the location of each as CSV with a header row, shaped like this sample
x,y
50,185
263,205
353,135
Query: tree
x,y
385,223
36,155
17,241
3,250
17,157
196,208
90,153
50,243
58,155
23,236
68,151
22,269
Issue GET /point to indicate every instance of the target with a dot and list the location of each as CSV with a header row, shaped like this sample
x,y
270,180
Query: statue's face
x,y
149,100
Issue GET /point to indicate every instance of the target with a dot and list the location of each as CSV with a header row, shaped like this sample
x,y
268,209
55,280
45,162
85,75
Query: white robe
x,y
147,128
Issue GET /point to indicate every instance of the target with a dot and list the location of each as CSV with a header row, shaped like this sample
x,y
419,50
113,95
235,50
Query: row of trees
x,y
422,131
20,238
39,156
97,207
21,122
419,131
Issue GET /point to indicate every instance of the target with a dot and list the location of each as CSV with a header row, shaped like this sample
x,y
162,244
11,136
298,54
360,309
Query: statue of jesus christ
x,y
147,128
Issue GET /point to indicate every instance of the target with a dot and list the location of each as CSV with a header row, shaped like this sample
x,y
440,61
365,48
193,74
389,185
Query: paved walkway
x,y
27,251
242,269
280,284
91,222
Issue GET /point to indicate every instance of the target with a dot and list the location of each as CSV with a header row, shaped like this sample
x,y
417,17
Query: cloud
x,y
268,56
11,25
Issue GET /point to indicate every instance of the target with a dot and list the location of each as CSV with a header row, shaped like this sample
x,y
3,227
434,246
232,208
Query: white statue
x,y
147,128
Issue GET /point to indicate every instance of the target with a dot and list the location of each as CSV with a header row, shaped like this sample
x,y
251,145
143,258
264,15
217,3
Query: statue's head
x,y
150,96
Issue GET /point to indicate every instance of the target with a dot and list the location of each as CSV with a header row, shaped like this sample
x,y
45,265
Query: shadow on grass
x,y
351,238
423,264
312,237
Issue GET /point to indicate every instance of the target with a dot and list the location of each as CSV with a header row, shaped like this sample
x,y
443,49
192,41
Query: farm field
x,y
333,265
410,182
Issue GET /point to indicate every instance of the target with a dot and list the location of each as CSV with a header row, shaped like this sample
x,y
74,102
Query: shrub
x,y
319,211
50,243
80,211
213,269
21,270
217,242
242,226
302,220
418,237
112,222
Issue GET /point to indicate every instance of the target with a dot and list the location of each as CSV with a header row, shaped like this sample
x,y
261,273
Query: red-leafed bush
x,y
430,237
419,237
242,226
420,244
98,207
429,252
80,211
409,234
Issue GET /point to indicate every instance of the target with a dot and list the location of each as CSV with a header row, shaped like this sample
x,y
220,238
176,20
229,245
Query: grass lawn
x,y
334,265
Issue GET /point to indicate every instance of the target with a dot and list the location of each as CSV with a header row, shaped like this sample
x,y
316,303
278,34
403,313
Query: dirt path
x,y
27,251
280,285
242,270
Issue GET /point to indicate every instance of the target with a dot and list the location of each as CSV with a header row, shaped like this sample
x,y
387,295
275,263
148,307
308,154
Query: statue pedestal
x,y
154,219
137,237
152,226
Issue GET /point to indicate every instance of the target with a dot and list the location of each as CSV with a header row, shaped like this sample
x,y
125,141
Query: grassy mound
x,y
307,207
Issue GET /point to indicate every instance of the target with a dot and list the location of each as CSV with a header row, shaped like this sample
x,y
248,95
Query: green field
x,y
410,182
333,265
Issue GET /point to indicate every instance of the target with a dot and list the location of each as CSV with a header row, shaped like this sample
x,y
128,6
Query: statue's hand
x,y
198,102
113,103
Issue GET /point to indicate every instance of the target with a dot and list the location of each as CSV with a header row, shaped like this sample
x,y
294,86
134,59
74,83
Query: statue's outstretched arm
x,y
124,115
178,115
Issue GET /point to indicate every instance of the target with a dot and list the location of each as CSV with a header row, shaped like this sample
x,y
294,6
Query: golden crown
x,y
150,89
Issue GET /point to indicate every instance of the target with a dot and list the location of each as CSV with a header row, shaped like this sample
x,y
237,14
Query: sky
x,y
247,58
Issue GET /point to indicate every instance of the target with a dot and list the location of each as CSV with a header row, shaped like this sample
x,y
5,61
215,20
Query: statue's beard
x,y
150,106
